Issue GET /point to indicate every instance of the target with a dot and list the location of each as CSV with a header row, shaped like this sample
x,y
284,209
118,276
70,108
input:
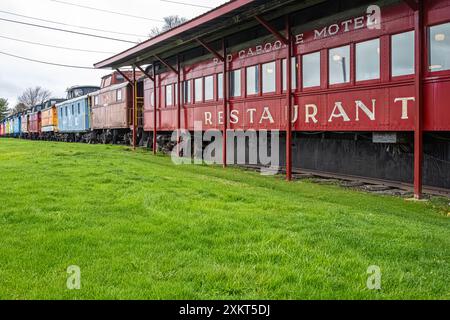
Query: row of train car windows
x,y
367,67
66,109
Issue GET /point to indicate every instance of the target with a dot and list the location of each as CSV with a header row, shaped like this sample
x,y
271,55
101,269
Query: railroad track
x,y
371,184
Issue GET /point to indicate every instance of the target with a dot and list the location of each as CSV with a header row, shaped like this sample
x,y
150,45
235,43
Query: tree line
x,y
29,98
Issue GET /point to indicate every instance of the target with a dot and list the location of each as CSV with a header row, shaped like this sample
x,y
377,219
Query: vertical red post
x,y
225,104
289,100
134,107
418,130
155,131
178,105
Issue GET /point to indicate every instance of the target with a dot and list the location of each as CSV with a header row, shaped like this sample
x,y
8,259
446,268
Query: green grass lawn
x,y
140,227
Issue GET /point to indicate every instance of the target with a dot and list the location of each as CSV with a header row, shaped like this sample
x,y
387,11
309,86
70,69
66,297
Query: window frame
x,y
166,104
219,86
231,94
195,90
257,79
301,83
119,93
275,73
351,68
212,89
296,66
353,64
427,45
187,83
391,57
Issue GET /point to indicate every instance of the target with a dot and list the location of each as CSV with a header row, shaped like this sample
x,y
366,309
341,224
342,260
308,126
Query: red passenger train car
x,y
370,83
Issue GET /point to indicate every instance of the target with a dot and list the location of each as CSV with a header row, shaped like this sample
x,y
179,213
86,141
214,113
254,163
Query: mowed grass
x,y
140,227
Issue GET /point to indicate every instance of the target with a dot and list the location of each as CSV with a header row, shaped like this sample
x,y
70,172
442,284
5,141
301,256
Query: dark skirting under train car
x,y
355,154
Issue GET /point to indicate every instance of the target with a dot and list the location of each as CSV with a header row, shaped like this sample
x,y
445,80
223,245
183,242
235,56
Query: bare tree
x,y
3,108
34,96
20,107
170,22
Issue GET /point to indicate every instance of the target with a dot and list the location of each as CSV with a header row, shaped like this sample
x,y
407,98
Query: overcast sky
x,y
16,75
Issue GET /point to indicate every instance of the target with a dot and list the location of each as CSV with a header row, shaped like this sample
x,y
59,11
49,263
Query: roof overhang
x,y
232,17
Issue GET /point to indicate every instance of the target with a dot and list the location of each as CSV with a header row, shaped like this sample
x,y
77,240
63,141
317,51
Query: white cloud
x,y
16,75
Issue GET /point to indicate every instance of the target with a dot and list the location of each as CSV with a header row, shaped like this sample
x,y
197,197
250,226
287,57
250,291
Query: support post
x,y
155,110
134,88
287,40
418,128
178,105
289,100
225,105
153,79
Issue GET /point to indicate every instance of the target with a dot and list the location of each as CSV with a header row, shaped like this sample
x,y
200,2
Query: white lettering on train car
x,y
234,116
295,116
361,106
371,20
251,112
266,116
342,114
405,106
311,113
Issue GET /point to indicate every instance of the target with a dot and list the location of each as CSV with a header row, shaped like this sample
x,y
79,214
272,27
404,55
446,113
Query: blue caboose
x,y
17,125
74,115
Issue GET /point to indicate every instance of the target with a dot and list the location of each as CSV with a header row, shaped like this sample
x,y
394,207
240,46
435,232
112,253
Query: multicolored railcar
x,y
74,114
34,124
49,120
112,108
24,124
9,126
73,118
16,125
2,128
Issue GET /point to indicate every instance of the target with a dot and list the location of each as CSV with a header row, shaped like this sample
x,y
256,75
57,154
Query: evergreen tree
x,y
3,108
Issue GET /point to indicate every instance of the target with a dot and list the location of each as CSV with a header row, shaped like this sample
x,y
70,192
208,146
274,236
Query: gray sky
x,y
16,75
